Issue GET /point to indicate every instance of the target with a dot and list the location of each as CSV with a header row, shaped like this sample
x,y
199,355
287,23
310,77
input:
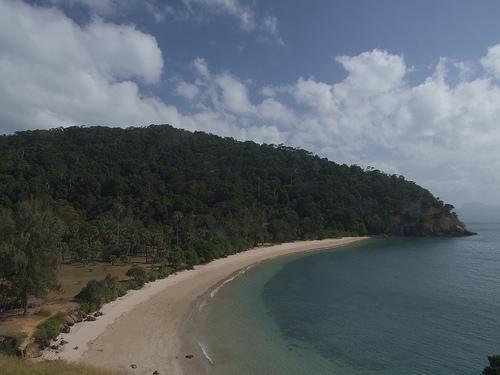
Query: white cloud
x,y
232,8
48,38
200,66
491,62
270,24
187,90
56,72
243,11
274,111
229,94
374,71
106,43
465,70
317,95
267,91
234,94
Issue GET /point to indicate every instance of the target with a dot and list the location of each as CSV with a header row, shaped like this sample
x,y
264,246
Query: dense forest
x,y
192,197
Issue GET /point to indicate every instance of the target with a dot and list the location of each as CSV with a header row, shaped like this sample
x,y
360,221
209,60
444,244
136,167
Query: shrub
x,y
88,307
133,284
92,293
48,330
164,270
110,289
122,289
138,274
95,293
153,276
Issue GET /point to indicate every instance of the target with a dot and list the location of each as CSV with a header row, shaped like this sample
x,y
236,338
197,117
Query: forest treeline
x,y
188,197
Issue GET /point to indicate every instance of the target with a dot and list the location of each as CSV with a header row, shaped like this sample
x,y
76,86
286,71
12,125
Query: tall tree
x,y
29,250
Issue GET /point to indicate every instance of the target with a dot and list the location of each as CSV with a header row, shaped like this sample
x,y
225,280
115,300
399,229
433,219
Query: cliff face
x,y
440,228
434,221
454,230
444,223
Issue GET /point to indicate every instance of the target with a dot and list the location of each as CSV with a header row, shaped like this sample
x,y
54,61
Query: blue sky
x,y
409,87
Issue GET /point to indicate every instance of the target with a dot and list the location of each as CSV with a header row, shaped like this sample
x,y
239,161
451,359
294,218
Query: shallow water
x,y
395,306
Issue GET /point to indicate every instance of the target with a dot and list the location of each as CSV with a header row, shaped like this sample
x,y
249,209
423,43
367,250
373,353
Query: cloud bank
x,y
444,131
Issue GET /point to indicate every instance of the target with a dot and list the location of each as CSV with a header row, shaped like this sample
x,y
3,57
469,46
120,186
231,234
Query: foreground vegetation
x,y
494,366
14,366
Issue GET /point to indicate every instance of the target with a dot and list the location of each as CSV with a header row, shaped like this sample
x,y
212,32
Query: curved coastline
x,y
189,340
145,331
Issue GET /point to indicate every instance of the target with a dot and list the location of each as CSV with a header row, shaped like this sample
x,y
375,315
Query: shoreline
x,y
189,343
142,332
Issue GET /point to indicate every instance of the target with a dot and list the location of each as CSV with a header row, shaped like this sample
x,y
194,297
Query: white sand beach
x,y
139,333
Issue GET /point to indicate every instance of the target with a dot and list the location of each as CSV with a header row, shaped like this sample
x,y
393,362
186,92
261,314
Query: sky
x,y
407,87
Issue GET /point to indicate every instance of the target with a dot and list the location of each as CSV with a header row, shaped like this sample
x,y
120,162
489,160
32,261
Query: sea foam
x,y
205,353
214,292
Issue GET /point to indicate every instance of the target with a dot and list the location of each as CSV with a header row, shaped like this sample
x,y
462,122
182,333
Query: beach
x,y
141,332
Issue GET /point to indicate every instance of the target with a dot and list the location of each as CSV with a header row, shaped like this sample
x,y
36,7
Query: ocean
x,y
384,306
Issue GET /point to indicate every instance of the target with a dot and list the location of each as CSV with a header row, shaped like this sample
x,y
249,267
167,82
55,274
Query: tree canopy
x,y
191,197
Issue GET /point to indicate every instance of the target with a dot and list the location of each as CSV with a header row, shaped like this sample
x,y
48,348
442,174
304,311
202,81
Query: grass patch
x,y
48,330
43,313
15,366
73,277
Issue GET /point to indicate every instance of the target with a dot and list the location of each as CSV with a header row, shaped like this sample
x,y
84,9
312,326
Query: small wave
x,y
214,292
205,353
202,305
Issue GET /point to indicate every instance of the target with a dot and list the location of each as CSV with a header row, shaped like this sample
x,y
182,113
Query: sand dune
x,y
140,332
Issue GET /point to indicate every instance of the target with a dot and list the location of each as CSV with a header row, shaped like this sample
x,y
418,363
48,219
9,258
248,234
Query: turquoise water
x,y
395,306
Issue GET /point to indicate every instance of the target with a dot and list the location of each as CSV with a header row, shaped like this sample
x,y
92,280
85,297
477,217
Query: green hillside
x,y
192,197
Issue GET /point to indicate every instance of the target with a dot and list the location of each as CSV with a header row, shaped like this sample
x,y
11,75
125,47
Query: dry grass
x,y
72,278
15,366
